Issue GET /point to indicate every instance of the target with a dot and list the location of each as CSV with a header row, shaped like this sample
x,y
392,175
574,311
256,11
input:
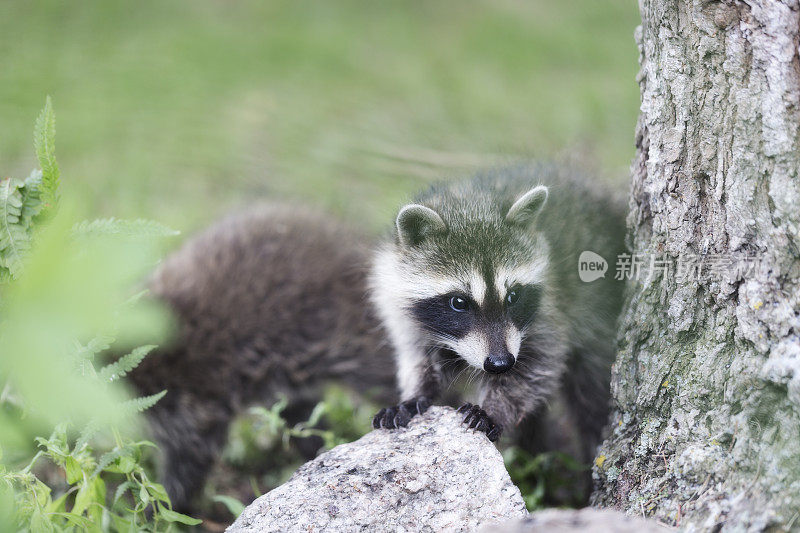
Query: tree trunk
x,y
706,429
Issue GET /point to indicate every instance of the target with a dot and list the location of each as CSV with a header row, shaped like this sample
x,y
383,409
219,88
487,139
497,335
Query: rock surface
x,y
575,521
435,475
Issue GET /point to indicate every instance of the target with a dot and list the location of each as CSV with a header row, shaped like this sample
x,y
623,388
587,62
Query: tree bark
x,y
706,429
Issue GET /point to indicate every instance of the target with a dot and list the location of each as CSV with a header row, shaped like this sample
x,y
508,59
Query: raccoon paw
x,y
398,416
476,418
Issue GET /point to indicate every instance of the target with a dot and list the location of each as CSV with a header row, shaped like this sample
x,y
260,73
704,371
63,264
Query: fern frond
x,y
44,135
109,457
5,276
99,344
138,405
84,366
19,205
124,364
86,434
14,229
31,196
121,489
84,355
126,228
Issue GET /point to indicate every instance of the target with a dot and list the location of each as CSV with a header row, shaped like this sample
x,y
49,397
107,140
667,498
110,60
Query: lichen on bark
x,y
706,429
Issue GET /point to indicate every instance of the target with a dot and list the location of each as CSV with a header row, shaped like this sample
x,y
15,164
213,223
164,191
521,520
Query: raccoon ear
x,y
415,223
527,206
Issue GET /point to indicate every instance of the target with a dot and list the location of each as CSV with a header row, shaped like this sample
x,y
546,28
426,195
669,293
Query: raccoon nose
x,y
498,363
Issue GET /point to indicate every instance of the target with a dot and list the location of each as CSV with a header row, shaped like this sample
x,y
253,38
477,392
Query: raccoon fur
x,y
268,303
481,278
478,279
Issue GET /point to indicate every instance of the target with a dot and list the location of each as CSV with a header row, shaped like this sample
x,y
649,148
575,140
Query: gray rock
x,y
574,521
435,475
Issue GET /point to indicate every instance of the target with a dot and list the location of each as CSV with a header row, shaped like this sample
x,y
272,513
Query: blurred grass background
x,y
179,110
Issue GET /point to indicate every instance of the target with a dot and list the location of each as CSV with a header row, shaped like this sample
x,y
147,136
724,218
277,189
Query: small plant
x,y
23,203
260,446
60,282
87,504
335,420
545,476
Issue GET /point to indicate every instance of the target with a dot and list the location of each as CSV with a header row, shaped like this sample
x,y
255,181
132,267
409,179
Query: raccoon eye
x,y
512,297
459,304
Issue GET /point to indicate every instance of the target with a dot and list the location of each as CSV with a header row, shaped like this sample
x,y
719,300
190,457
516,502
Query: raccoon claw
x,y
477,419
400,415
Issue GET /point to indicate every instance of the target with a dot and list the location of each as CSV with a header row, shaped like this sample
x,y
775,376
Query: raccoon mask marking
x,y
486,335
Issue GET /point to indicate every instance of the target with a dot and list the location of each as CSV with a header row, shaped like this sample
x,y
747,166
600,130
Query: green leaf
x,y
172,516
19,205
158,492
125,364
78,520
144,496
73,470
44,136
89,431
108,458
123,487
234,506
121,523
31,197
58,505
92,491
97,507
138,405
14,228
83,498
41,493
126,464
39,522
85,355
7,505
319,410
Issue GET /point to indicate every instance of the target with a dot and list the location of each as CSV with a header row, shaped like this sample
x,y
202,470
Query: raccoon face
x,y
485,333
473,283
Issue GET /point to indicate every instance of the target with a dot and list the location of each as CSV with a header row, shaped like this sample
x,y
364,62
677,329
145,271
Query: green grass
x,y
180,109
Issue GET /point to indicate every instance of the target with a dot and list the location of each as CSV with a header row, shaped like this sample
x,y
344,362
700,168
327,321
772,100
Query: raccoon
x,y
481,278
478,276
268,303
